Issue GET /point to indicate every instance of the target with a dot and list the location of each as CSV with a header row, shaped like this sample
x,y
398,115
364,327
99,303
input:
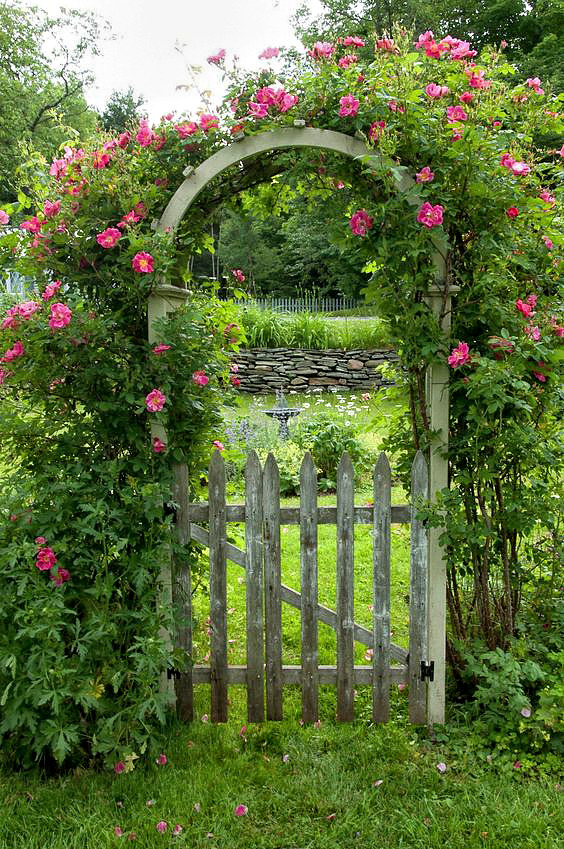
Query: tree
x,y
42,78
122,110
531,28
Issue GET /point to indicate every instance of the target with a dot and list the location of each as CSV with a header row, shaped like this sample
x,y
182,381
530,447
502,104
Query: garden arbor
x,y
167,297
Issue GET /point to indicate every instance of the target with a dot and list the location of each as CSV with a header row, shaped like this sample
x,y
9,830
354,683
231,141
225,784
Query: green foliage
x,y
327,439
122,111
269,329
42,75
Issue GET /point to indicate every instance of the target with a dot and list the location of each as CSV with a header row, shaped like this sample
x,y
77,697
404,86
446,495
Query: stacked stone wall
x,y
263,370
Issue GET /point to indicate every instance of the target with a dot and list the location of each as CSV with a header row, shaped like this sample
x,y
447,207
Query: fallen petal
x,y
442,767
241,811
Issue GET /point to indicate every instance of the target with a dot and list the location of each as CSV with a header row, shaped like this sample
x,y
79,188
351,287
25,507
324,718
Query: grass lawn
x,y
305,788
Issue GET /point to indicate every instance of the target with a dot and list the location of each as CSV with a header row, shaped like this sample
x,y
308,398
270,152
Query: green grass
x,y
321,797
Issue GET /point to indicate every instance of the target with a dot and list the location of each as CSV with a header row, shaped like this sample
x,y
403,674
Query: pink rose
x,y
349,106
435,91
459,356
27,309
51,209
235,381
159,349
17,350
216,58
361,222
353,41
119,767
60,316
4,217
51,289
123,140
269,53
185,130
376,130
145,134
100,159
466,97
429,215
45,559
32,225
425,175
535,84
143,263
238,275
322,50
525,309
155,400
258,110
162,760
219,445
108,237
456,113
241,811
521,169
161,826
549,244
209,122
512,212
533,332
60,576
200,378
158,446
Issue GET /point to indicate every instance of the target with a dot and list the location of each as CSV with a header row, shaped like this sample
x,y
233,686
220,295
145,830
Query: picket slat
x,y
272,588
182,595
345,590
263,517
218,588
254,569
381,551
418,595
308,566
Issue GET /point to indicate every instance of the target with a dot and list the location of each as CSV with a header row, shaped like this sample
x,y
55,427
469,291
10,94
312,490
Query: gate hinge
x,y
428,670
172,673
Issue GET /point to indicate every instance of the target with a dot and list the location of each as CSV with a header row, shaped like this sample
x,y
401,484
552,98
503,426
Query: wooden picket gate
x,y
265,592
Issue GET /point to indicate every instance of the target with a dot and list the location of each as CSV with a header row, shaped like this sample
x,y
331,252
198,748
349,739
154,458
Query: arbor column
x,y
439,300
163,301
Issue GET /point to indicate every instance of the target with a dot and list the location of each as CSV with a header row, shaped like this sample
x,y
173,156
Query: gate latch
x,y
428,671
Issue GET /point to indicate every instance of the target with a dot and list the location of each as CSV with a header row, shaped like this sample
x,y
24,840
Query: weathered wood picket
x,y
265,592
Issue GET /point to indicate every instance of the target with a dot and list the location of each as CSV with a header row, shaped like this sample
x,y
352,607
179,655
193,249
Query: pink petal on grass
x,y
118,831
197,807
378,783
162,826
442,767
285,758
241,811
205,718
331,817
177,830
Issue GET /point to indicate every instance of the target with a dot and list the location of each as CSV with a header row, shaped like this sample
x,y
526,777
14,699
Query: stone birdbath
x,y
282,413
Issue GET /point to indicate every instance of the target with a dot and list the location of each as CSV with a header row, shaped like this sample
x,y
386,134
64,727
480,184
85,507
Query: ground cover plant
x,y
93,417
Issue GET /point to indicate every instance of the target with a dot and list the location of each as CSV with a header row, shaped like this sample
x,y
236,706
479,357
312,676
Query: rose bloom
x,y
60,316
4,217
376,130
216,58
200,378
269,53
45,559
51,208
521,169
209,122
533,332
429,215
185,130
466,97
219,445
27,309
235,381
353,41
361,222
158,446
155,400
425,175
108,237
512,212
238,275
456,113
525,309
159,349
322,50
459,356
349,106
17,350
435,91
51,289
143,263
60,576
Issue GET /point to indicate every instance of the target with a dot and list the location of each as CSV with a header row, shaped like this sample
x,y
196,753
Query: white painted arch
x,y
246,147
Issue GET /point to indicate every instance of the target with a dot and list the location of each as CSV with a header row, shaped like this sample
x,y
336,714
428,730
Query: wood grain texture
x,y
381,551
218,588
308,565
418,589
272,587
254,589
345,590
182,595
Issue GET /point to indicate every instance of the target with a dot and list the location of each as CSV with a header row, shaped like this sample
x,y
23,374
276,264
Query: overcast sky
x,y
143,55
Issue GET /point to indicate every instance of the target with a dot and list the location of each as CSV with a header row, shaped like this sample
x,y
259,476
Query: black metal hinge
x,y
428,671
172,673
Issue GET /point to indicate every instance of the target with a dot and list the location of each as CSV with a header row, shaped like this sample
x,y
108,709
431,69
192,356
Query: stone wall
x,y
263,370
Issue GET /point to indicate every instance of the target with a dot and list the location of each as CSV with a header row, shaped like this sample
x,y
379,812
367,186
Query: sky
x,y
144,57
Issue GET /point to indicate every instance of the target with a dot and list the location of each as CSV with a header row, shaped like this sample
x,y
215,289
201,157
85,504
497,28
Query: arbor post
x,y
163,301
439,301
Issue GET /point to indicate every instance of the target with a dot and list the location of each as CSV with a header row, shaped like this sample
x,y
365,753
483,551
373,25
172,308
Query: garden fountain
x,y
282,413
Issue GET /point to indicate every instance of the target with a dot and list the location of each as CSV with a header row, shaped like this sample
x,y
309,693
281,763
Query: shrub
x,y
326,437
